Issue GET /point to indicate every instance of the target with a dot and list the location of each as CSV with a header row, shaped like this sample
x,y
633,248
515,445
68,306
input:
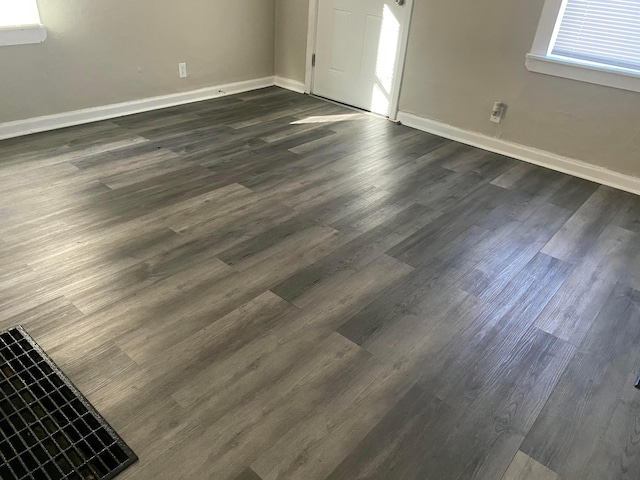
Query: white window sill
x,y
22,35
622,78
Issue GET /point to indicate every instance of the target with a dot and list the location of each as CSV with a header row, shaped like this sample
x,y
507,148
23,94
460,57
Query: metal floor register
x,y
48,430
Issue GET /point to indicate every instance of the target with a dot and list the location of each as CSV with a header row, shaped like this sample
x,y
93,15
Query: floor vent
x,y
48,430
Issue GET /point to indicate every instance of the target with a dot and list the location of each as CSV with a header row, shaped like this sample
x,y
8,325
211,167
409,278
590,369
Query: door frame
x,y
312,38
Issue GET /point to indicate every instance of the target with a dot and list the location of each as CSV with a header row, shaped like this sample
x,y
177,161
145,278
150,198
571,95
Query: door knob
x,y
399,2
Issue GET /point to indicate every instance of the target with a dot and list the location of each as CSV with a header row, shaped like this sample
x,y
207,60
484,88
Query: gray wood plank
x,y
576,238
513,251
248,474
422,246
574,193
422,435
524,467
528,178
573,309
393,304
470,358
579,411
356,253
397,446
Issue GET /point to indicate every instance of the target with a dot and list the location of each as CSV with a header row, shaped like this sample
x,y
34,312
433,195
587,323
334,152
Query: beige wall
x,y
463,55
291,38
100,52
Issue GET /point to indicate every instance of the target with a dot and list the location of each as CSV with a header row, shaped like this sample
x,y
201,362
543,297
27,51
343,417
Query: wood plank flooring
x,y
268,286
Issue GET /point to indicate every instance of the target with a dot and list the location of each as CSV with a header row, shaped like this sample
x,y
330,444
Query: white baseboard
x,y
88,115
543,158
293,85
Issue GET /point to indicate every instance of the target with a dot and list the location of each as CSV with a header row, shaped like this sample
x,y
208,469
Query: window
x,y
595,41
20,23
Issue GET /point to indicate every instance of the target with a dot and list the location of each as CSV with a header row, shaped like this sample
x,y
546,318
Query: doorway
x,y
356,52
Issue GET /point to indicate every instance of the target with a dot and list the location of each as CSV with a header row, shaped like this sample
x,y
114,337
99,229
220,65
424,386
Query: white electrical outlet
x,y
182,70
498,112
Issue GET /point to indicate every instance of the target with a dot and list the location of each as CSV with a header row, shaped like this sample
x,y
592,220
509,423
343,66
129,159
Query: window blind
x,y
602,31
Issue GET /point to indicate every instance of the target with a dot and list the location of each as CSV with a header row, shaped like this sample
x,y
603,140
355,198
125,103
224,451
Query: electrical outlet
x,y
498,112
182,70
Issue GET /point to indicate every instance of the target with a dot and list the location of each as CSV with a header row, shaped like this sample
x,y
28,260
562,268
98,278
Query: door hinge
x,y
313,60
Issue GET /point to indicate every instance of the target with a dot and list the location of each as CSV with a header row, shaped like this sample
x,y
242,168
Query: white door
x,y
358,51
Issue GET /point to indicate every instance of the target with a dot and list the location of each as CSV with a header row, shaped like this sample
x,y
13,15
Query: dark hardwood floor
x,y
268,286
